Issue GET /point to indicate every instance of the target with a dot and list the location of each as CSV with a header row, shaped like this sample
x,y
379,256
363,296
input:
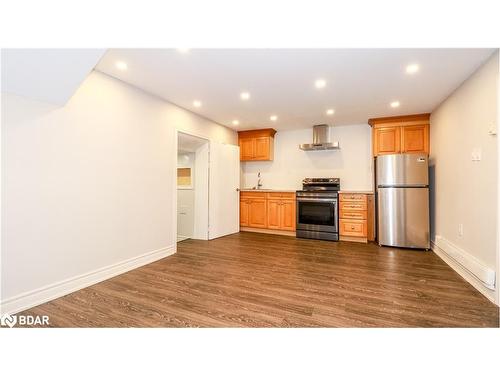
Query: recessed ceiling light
x,y
330,112
273,118
395,104
412,68
245,95
183,50
320,83
236,122
121,65
197,103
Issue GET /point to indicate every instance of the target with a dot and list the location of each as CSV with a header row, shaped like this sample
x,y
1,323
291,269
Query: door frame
x,y
174,180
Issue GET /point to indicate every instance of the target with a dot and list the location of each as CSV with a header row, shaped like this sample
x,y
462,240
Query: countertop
x,y
269,190
356,191
293,191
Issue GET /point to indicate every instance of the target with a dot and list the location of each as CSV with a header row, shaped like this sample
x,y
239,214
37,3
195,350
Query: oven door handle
x,y
328,200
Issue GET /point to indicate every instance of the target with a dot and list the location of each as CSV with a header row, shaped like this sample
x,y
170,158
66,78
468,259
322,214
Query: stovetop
x,y
320,184
321,181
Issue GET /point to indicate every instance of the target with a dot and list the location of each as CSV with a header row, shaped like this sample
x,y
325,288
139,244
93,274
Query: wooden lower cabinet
x,y
244,212
353,228
274,211
356,217
257,213
370,216
288,216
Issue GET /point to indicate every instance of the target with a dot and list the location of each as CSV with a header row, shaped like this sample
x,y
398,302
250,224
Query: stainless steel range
x,y
317,209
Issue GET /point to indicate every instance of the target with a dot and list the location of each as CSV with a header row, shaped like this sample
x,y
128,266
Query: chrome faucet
x,y
259,181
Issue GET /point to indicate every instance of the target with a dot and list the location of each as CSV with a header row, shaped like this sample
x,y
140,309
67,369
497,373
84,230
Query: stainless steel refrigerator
x,y
402,182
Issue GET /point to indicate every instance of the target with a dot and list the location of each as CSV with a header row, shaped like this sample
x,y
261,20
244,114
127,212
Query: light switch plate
x,y
476,154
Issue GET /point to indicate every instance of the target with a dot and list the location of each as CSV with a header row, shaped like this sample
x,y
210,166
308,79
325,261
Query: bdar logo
x,y
9,320
24,320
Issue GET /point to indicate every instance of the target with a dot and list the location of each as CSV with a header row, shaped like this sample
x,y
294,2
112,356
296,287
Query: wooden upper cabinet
x,y
262,149
246,148
400,134
256,145
415,138
387,140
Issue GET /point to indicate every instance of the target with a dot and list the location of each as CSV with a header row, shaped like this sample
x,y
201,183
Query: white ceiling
x,y
47,74
361,83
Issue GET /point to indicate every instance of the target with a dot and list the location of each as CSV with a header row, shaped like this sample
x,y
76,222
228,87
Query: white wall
x,y
90,184
185,199
352,163
465,191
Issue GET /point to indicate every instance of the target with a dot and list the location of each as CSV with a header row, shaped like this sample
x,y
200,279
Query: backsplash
x,y
353,163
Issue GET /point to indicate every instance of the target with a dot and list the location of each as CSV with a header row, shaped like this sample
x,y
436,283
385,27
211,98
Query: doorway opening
x,y
192,187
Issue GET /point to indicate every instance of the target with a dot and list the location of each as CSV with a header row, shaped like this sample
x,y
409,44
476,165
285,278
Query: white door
x,y
224,197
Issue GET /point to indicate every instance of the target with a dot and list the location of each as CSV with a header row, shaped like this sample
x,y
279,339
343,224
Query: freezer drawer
x,y
402,169
403,217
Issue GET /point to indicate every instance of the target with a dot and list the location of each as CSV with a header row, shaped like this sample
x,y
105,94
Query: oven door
x,y
317,214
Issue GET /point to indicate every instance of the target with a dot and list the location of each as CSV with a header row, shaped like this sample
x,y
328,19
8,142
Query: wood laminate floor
x,y
261,280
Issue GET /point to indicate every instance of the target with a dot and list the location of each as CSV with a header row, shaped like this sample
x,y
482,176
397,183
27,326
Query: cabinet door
x,y
244,213
287,215
415,139
247,146
261,150
257,213
386,140
273,213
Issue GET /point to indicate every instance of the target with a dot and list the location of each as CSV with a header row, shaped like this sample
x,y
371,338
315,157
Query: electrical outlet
x,y
460,230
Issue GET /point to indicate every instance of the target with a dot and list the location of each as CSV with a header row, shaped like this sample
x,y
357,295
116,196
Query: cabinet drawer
x,y
352,214
353,228
352,206
251,194
279,195
345,197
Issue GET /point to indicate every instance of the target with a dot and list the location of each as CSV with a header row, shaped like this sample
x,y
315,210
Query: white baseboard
x,y
181,238
471,269
47,293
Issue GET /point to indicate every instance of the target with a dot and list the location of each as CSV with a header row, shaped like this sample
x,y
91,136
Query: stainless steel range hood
x,y
321,140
